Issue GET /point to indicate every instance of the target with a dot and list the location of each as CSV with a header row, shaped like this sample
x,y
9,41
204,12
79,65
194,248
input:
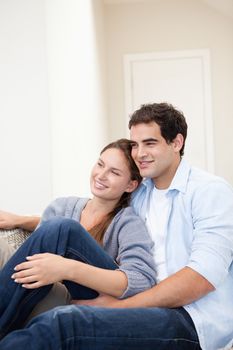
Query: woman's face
x,y
110,177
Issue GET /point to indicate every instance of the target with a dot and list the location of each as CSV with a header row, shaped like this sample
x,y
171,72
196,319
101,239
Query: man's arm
x,y
179,289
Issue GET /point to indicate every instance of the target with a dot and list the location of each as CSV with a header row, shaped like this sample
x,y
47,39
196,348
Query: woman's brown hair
x,y
123,145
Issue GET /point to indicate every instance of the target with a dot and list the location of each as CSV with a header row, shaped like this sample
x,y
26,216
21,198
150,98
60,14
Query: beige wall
x,y
160,25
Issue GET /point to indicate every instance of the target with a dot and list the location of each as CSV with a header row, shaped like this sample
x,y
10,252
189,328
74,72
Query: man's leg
x,y
88,328
59,236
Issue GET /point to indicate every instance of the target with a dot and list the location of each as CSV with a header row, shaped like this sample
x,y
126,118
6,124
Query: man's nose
x,y
141,152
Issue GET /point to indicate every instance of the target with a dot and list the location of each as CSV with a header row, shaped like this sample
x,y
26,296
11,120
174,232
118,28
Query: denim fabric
x,y
126,240
86,328
60,236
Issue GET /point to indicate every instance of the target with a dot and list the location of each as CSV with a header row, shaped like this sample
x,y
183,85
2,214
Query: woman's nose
x,y
102,174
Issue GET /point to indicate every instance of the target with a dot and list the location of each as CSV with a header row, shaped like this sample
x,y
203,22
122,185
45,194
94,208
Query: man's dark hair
x,y
170,120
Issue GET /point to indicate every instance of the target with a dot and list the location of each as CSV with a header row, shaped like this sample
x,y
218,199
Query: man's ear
x,y
132,186
178,142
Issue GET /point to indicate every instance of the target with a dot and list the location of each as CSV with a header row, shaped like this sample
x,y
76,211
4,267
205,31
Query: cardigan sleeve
x,y
135,252
63,206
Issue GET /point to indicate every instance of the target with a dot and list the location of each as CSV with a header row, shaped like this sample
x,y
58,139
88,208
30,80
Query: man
x,y
190,216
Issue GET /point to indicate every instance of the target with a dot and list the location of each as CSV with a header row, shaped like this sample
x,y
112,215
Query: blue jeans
x,y
61,236
92,328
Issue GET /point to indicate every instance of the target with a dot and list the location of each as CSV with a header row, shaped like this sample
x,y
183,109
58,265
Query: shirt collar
x,y
179,182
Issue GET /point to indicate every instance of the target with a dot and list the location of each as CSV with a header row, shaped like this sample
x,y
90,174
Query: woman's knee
x,y
58,223
59,226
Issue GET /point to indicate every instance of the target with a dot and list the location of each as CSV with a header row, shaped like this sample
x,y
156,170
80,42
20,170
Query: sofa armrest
x,y
14,237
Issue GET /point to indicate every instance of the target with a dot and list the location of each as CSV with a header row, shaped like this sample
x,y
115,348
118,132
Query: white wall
x,y
52,110
25,178
76,92
52,85
166,25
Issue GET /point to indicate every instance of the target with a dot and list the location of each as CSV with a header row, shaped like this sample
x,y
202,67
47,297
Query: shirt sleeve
x,y
212,247
135,256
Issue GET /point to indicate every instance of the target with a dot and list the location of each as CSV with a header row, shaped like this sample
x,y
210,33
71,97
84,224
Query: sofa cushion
x,y
14,237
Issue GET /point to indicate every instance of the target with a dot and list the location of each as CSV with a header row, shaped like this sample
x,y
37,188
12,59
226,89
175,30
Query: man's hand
x,y
102,301
40,270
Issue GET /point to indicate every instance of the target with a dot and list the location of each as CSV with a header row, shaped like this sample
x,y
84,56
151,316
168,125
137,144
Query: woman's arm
x,y
11,221
179,289
112,282
46,268
135,253
29,222
132,247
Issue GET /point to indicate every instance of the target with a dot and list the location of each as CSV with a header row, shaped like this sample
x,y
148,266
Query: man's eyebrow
x,y
150,139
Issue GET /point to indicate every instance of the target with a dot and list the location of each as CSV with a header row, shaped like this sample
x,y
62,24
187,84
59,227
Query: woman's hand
x,y
40,270
8,220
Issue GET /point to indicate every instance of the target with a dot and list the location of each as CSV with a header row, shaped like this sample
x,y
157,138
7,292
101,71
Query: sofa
x,y
14,237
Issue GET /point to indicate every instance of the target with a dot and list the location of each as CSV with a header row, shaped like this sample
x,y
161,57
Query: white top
x,y
156,221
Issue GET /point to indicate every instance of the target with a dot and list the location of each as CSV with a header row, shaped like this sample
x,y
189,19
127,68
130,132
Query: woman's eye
x,y
115,173
99,164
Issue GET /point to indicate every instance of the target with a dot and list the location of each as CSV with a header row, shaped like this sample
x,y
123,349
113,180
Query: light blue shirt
x,y
200,236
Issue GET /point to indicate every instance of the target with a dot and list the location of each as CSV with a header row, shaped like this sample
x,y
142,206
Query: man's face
x,y
154,157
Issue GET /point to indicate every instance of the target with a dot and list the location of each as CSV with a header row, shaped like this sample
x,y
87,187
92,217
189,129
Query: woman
x,y
115,257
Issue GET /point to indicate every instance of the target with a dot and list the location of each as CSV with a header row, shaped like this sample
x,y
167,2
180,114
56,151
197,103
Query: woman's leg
x,y
60,236
86,328
57,296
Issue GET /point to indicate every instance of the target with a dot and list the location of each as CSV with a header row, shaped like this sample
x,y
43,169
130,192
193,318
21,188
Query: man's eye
x,y
133,145
99,164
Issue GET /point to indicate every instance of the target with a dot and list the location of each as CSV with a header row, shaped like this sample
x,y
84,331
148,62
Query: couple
x,y
189,215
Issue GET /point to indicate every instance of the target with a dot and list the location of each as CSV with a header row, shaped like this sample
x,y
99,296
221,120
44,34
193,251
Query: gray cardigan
x,y
126,240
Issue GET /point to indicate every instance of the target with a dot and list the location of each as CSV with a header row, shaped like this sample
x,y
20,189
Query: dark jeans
x,y
91,328
61,236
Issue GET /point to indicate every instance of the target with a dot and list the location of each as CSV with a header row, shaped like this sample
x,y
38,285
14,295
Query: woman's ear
x,y
132,186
